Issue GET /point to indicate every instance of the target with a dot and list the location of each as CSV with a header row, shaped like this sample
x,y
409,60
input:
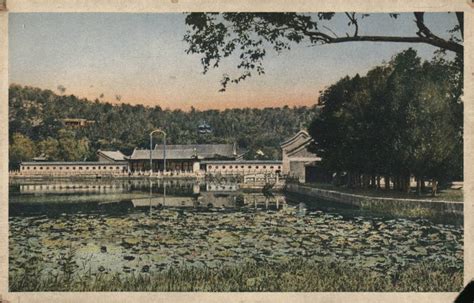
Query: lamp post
x,y
151,149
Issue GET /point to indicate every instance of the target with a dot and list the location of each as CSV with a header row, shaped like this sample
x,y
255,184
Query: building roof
x,y
112,155
237,162
302,134
187,151
204,150
157,154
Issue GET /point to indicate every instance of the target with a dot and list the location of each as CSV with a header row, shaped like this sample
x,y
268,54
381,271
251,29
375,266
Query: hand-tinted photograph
x,y
236,152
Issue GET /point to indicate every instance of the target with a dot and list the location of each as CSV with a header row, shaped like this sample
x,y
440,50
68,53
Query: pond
x,y
142,227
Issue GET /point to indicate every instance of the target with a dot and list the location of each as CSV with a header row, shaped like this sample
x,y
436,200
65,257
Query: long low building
x,y
73,168
241,167
212,159
181,157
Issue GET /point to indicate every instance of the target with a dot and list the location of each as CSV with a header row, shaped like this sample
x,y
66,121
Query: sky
x,y
142,57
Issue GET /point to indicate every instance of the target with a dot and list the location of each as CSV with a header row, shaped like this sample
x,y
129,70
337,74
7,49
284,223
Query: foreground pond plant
x,y
293,275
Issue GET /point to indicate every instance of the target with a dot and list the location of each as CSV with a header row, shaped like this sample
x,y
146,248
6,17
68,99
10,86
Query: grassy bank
x,y
295,275
443,194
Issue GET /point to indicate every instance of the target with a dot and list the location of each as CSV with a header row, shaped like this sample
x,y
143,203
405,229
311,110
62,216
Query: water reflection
x,y
133,224
138,195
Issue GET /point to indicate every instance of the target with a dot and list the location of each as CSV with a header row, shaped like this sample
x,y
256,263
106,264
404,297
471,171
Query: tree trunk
x,y
407,184
434,187
365,181
396,183
387,182
418,186
423,187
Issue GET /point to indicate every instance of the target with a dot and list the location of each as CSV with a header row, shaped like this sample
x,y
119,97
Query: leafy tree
x,y
219,35
21,149
399,120
50,148
70,148
38,114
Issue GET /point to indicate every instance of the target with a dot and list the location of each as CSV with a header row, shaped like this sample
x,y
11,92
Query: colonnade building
x,y
213,159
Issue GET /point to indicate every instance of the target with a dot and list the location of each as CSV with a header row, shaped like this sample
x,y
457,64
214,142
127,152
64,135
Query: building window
x,y
104,167
264,166
60,168
223,166
111,167
74,168
54,167
210,166
41,167
87,167
80,168
279,167
28,168
250,167
117,167
256,166
93,167
271,167
67,167
242,166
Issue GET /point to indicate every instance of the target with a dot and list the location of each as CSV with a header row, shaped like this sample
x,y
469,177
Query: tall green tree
x,y
400,120
50,148
21,149
72,149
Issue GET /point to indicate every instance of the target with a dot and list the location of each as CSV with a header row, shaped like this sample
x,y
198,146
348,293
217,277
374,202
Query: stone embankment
x,y
361,201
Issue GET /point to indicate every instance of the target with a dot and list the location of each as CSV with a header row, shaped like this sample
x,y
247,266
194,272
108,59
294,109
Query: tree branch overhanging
x,y
217,38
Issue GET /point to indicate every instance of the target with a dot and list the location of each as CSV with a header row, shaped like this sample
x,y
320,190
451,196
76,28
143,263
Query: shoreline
x,y
363,201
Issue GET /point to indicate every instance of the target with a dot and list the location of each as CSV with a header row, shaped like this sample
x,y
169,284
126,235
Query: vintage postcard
x,y
235,151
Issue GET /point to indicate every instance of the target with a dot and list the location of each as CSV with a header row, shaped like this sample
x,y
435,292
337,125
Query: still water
x,y
133,227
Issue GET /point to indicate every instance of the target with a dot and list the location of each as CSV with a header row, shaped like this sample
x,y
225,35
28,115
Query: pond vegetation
x,y
225,241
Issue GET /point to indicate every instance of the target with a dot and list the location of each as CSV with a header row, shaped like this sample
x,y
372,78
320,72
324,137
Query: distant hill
x,y
45,118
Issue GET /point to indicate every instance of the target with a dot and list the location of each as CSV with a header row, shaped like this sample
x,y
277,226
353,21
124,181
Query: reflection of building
x,y
297,160
169,201
181,157
216,187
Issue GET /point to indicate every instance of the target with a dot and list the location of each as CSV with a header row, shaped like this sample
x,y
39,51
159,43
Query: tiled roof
x,y
243,162
203,150
143,154
302,133
113,155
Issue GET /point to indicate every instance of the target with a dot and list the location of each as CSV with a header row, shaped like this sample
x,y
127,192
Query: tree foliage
x,y
403,118
37,115
216,36
21,148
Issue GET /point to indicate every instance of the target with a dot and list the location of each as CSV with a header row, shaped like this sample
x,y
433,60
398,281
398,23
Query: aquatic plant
x,y
297,275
